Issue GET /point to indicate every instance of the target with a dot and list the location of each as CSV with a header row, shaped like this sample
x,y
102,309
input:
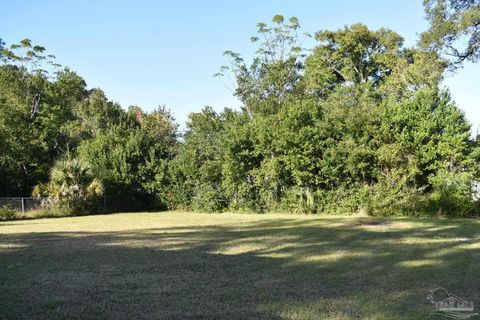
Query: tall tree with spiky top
x,y
275,69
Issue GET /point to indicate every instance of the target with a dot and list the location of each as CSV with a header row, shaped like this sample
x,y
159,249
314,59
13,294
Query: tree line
x,y
359,122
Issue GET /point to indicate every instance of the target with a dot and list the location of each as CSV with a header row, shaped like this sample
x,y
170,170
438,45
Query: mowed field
x,y
176,265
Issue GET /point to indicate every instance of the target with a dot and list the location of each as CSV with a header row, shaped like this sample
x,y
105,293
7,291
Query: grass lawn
x,y
234,266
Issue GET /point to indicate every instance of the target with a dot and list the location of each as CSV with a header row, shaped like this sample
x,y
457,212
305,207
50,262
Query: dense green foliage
x,y
47,113
7,213
72,185
358,123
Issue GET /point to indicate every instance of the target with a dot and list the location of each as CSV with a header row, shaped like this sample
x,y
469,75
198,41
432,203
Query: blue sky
x,y
152,53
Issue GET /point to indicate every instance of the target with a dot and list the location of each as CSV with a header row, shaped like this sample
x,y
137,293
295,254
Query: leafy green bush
x,y
71,186
208,199
7,213
299,200
343,200
452,194
384,200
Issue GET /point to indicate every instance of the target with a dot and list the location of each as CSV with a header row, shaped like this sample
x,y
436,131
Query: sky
x,y
151,53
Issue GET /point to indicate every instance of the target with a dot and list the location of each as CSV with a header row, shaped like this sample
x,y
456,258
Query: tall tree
x,y
275,70
29,118
454,29
374,60
198,166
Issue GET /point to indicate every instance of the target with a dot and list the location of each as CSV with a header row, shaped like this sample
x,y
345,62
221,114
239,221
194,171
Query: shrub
x,y
344,200
385,200
453,194
207,198
299,200
7,213
71,186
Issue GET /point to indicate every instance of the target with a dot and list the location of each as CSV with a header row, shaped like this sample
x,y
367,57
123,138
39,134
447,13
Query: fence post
x,y
105,203
23,205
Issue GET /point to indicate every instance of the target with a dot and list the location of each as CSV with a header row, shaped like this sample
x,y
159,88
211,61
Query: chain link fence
x,y
23,203
103,204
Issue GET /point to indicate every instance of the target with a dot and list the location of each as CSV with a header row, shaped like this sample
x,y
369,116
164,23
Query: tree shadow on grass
x,y
271,269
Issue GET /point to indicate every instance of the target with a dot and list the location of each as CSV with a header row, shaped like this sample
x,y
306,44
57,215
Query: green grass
x,y
233,266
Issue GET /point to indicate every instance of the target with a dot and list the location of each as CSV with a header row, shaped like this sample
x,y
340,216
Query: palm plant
x,y
72,184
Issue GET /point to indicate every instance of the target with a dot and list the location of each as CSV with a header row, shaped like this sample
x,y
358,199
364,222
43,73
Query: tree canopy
x,y
359,122
454,29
